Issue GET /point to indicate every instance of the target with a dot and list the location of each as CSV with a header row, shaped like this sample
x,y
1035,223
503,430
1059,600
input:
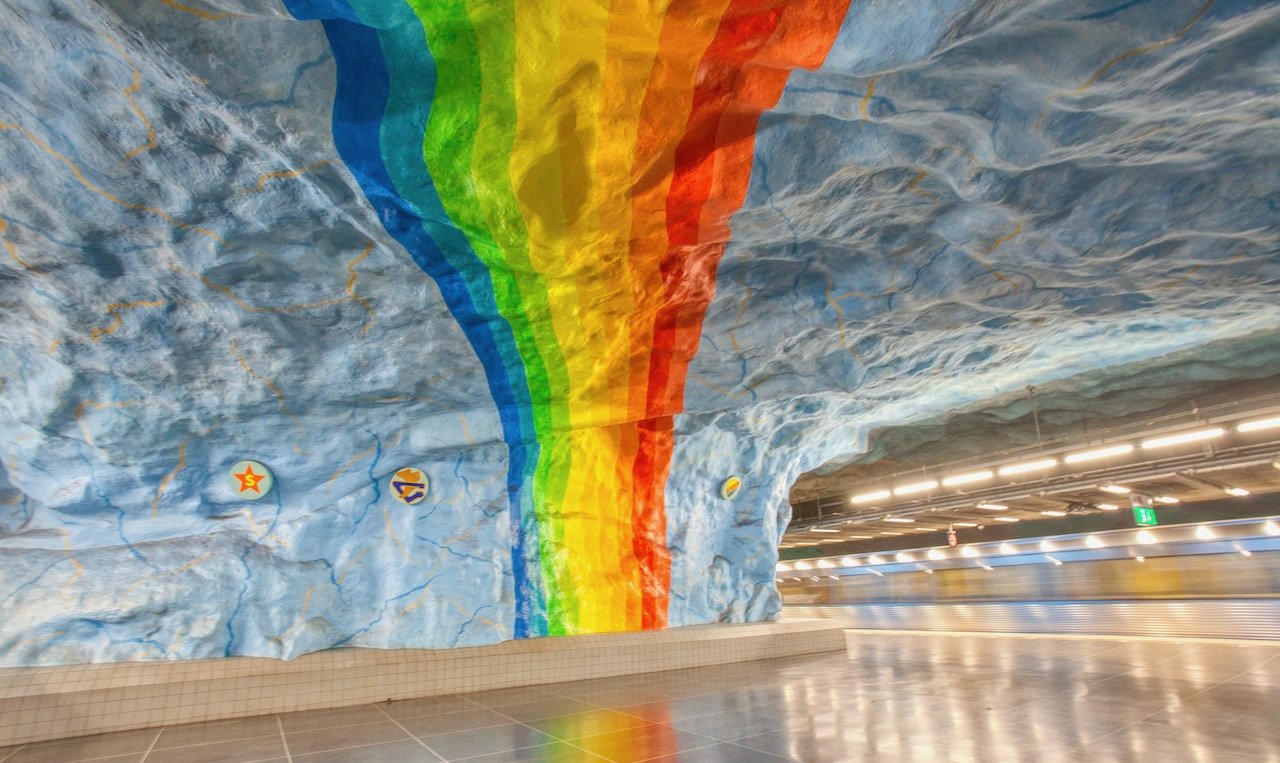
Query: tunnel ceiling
x,y
576,265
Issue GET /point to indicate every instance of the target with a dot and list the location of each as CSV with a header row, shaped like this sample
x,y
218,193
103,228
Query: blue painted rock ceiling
x,y
964,198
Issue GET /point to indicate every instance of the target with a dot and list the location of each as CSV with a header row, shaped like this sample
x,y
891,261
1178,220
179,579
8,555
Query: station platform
x,y
891,696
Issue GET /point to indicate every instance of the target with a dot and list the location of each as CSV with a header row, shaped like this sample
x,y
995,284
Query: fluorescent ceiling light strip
x,y
1256,424
915,487
992,506
876,495
822,530
904,520
965,479
1093,455
1117,489
1008,519
1185,437
1027,466
1054,513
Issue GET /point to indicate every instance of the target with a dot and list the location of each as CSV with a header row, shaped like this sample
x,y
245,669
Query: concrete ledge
x,y
42,703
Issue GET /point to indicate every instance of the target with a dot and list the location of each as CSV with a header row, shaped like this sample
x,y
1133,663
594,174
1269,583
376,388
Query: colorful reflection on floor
x,y
894,696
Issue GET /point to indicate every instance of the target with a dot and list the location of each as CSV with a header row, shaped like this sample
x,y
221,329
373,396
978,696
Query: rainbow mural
x,y
565,172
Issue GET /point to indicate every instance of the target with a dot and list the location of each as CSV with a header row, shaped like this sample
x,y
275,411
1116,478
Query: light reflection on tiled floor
x,y
892,697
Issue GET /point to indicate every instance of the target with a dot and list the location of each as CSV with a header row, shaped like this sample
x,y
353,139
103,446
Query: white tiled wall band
x,y
44,703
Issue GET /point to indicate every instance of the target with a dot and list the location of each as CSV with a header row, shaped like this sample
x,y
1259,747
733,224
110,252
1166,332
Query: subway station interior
x,y
681,380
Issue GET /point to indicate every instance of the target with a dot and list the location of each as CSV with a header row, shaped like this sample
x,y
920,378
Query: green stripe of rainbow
x,y
566,172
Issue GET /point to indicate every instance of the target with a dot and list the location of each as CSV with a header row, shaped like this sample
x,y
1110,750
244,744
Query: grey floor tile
x,y
339,737
729,725
723,752
324,719
133,757
444,723
506,697
547,708
416,708
1162,742
218,731
464,744
409,751
555,752
1228,711
781,743
669,711
83,748
578,725
234,751
618,697
642,743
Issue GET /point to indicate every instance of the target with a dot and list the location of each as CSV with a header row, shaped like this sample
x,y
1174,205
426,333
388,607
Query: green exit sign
x,y
1145,516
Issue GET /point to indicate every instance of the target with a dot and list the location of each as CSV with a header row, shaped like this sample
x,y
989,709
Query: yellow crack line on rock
x,y
404,552
281,175
999,242
166,479
351,289
135,87
97,405
351,563
1006,238
254,308
200,12
913,186
419,599
466,429
1191,271
35,640
13,252
721,390
275,390
75,564
835,304
397,399
1101,71
864,108
90,185
183,569
350,462
247,513
302,613
117,320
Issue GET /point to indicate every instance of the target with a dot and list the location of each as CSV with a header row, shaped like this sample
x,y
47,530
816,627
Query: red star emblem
x,y
249,480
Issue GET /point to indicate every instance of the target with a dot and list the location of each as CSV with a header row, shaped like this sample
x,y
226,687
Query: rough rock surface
x,y
966,198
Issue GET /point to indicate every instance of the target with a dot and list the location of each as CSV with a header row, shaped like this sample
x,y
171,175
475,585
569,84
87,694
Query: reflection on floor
x,y
892,697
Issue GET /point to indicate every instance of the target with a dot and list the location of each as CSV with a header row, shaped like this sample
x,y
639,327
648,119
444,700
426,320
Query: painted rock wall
x,y
576,265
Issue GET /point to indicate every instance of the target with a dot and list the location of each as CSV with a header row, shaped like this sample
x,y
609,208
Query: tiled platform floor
x,y
892,697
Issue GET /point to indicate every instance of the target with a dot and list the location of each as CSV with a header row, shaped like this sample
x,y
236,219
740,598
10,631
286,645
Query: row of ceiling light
x,y
1203,532
1070,459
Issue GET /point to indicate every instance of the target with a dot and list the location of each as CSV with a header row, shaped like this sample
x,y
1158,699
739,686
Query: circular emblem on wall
x,y
251,480
410,485
730,487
